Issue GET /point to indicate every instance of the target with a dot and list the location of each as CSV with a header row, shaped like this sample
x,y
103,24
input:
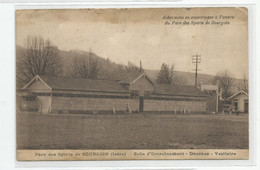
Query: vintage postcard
x,y
132,84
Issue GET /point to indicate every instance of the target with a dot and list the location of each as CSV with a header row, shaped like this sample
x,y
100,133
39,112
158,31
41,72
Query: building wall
x,y
44,104
38,86
93,104
141,85
241,101
24,105
169,105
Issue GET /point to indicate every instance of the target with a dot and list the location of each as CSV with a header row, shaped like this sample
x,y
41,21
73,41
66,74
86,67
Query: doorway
x,y
141,104
246,106
236,104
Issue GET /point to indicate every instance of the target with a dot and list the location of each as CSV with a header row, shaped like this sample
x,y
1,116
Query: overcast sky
x,y
124,35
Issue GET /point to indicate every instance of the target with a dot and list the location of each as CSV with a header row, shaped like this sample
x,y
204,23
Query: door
x,y
236,105
141,104
246,106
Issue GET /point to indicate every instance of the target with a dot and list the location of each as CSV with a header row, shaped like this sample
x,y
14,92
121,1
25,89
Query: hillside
x,y
109,69
114,71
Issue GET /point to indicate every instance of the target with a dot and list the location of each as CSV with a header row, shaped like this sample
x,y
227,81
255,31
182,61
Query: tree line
x,y
224,80
42,57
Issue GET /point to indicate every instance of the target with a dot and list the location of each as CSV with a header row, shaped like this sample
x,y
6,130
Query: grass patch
x,y
136,131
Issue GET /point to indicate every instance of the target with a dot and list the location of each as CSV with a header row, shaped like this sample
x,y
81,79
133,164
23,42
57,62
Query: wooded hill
x,y
113,71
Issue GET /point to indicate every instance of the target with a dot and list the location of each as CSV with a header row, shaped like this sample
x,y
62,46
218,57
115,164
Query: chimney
x,y
141,68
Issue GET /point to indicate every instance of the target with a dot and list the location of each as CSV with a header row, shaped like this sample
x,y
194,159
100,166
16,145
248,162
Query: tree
x,y
225,82
132,68
39,58
165,75
86,67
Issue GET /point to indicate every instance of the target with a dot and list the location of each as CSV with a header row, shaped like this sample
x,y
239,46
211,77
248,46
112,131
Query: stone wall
x,y
93,104
107,104
170,105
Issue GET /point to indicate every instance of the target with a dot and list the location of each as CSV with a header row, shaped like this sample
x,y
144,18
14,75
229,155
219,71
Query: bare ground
x,y
137,131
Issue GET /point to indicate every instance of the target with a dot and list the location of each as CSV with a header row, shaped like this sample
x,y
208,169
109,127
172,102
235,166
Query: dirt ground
x,y
137,131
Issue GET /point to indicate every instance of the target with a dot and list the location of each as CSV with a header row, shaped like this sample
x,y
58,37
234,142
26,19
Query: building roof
x,y
239,93
79,84
67,83
128,79
167,89
131,78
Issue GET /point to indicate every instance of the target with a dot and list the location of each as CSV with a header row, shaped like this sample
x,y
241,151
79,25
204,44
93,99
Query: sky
x,y
124,35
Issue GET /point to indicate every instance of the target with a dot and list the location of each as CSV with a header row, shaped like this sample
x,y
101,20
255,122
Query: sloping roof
x,y
132,78
165,89
128,79
239,92
67,83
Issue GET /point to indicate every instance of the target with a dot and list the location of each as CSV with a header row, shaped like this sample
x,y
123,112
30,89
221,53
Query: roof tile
x,y
67,83
167,89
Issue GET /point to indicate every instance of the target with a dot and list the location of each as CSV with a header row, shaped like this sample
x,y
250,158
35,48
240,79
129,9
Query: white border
x,y
7,86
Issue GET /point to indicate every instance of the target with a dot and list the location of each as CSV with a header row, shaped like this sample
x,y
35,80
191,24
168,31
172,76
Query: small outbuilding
x,y
240,101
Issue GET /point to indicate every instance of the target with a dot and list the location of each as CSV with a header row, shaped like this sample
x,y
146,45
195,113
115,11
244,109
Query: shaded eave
x,y
183,95
91,90
23,93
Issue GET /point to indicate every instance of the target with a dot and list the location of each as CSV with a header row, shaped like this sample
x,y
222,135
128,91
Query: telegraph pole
x,y
196,59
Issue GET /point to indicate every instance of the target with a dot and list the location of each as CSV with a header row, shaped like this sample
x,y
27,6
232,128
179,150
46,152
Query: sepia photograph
x,y
132,83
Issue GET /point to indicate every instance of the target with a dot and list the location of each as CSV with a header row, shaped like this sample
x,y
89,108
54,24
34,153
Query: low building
x,y
240,101
138,94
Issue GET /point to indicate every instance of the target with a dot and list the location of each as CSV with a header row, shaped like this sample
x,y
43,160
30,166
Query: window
x,y
30,98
